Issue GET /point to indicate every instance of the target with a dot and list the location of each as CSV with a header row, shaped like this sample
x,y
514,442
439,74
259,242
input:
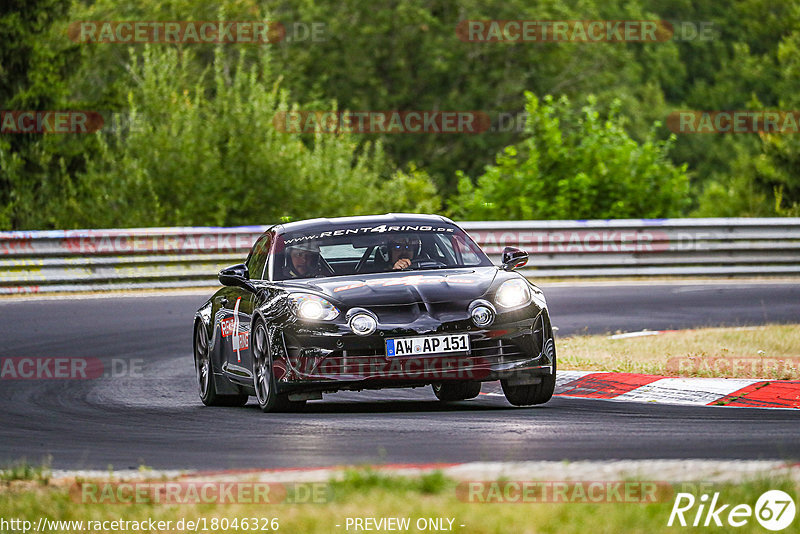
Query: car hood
x,y
406,287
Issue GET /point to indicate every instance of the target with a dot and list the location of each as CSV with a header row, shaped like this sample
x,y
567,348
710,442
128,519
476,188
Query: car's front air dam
x,y
513,350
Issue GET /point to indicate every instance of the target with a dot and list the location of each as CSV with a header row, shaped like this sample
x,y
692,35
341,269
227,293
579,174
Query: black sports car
x,y
371,302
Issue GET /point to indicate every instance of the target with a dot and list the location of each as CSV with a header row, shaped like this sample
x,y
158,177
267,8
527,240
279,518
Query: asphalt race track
x,y
151,414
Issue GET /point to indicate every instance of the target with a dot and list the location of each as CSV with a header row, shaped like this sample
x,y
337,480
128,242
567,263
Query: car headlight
x,y
313,308
513,293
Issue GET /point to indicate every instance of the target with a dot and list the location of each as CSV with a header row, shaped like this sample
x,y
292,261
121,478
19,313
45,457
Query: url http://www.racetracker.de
x,y
46,525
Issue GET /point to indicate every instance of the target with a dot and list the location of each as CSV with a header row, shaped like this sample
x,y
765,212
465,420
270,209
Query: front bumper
x,y
342,360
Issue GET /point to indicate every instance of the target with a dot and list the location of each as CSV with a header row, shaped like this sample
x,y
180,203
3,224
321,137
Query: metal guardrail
x,y
81,260
86,260
648,247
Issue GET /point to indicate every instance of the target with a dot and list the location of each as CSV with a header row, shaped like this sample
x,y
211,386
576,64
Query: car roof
x,y
389,218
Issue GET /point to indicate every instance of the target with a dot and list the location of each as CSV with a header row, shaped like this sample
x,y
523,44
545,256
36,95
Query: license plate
x,y
415,346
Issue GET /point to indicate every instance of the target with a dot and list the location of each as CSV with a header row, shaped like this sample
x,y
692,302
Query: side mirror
x,y
513,258
236,276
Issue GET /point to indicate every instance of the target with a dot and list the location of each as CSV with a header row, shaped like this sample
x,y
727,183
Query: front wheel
x,y
269,400
456,391
530,394
205,374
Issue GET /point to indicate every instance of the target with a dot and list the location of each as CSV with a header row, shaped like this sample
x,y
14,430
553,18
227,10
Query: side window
x,y
258,257
444,251
465,251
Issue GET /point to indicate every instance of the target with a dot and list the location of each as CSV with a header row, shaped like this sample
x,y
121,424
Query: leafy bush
x,y
194,156
574,166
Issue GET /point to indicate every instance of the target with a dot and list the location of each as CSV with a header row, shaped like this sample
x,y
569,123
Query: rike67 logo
x,y
774,510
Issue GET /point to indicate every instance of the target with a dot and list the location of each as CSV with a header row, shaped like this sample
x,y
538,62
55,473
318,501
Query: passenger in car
x,y
303,260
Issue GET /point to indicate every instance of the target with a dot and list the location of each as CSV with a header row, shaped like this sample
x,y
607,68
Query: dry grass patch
x,y
771,352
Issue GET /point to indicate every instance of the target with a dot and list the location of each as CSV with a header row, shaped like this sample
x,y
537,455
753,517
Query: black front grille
x,y
485,351
502,349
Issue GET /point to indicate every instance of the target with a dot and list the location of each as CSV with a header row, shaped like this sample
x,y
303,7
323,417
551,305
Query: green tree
x,y
406,55
33,66
738,68
386,55
574,166
190,156
766,181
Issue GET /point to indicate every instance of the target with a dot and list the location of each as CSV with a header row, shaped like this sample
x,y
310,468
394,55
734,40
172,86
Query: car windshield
x,y
340,251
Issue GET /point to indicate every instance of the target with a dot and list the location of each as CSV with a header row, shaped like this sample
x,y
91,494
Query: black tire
x,y
531,394
205,374
456,391
269,400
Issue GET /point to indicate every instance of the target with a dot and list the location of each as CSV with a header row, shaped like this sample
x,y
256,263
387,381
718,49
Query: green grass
x,y
23,471
771,352
360,481
367,493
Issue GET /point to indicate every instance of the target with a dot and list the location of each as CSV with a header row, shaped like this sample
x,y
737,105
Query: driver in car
x,y
403,251
303,260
